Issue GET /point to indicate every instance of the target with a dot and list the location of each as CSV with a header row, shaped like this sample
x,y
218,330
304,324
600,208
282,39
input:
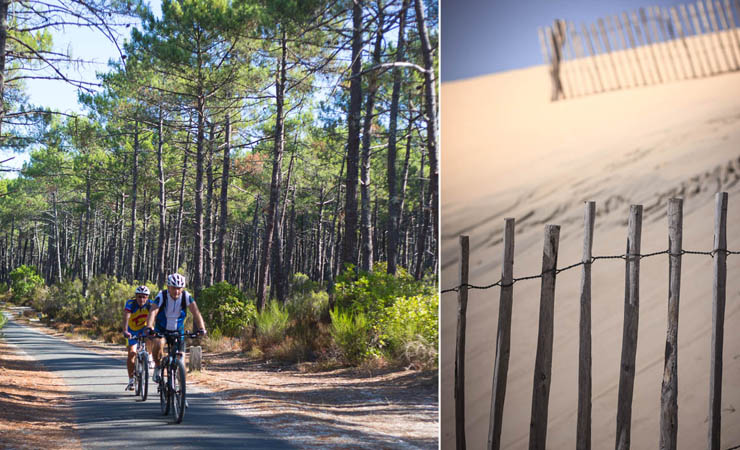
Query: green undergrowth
x,y
376,320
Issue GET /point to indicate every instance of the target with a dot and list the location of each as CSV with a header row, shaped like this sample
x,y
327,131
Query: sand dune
x,y
509,152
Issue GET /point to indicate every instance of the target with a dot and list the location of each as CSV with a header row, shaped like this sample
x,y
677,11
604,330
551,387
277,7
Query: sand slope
x,y
508,152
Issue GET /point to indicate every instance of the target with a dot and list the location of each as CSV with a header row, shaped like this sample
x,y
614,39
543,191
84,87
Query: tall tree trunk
x,y
134,187
175,265
208,251
57,250
220,262
197,271
4,4
272,212
430,109
394,208
366,230
349,249
160,270
86,243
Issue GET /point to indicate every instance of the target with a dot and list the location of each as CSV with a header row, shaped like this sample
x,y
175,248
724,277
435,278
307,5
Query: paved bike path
x,y
109,417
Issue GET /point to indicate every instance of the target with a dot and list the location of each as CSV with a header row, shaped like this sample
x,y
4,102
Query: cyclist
x,y
169,309
135,315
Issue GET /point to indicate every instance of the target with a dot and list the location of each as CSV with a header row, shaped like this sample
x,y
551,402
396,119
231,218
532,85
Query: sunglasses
x,y
141,296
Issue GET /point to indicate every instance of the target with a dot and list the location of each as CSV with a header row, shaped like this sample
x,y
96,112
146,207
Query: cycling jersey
x,y
172,312
137,319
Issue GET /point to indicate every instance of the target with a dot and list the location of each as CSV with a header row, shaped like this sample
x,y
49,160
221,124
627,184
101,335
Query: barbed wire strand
x,y
591,261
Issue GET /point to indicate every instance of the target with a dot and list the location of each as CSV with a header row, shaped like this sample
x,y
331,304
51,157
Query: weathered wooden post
x,y
718,320
665,46
195,358
583,428
629,331
669,389
462,307
543,361
503,339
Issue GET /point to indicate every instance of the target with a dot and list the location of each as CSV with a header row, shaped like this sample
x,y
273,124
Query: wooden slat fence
x,y
648,46
544,356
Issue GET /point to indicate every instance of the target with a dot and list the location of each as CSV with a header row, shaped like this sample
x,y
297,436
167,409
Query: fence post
x,y
583,65
629,333
543,362
503,339
718,319
583,429
462,307
669,389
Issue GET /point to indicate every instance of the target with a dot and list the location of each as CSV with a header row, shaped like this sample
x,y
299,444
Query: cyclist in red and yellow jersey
x,y
135,315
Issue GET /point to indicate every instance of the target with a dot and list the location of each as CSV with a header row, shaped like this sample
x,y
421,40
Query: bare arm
x,y
126,316
152,315
197,317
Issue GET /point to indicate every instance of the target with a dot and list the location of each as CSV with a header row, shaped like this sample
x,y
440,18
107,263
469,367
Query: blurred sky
x,y
486,36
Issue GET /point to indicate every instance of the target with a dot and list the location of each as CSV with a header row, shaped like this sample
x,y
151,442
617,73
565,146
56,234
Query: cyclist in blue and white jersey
x,y
135,315
169,310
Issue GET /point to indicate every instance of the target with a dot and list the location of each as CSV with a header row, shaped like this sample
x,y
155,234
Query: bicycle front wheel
x,y
178,391
137,377
144,376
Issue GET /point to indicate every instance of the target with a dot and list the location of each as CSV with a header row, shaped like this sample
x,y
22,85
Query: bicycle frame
x,y
172,392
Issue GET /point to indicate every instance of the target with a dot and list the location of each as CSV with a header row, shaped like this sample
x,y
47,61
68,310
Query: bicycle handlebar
x,y
189,334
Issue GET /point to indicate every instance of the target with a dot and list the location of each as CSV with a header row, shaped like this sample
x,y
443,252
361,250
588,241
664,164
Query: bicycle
x,y
172,392
141,369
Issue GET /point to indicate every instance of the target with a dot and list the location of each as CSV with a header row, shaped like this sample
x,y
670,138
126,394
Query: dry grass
x,y
33,405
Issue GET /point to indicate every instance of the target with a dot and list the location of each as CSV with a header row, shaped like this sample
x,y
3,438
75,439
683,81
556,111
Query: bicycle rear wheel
x,y
144,376
164,394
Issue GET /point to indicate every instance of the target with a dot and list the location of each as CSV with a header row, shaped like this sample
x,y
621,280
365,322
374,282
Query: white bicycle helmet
x,y
176,280
142,290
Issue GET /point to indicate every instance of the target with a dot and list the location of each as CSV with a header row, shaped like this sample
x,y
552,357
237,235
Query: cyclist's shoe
x,y
155,378
130,385
151,362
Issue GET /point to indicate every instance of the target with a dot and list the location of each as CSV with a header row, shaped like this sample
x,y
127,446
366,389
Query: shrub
x,y
350,334
65,302
224,307
302,283
308,307
107,297
372,292
272,324
23,281
409,329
